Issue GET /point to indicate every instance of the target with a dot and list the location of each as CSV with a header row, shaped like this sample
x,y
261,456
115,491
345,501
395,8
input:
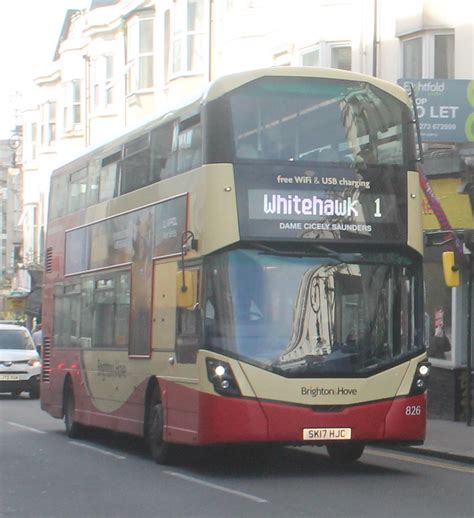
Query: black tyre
x,y
73,429
344,454
160,450
34,393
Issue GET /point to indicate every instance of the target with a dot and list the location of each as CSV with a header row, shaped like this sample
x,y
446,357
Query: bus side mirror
x,y
187,289
451,273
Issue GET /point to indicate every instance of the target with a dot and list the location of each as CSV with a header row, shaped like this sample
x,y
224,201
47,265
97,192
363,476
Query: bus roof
x,y
230,82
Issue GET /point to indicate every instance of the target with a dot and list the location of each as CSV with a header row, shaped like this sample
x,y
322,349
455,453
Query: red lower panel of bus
x,y
195,417
229,420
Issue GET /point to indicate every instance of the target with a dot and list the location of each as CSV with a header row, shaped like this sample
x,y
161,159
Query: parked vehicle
x,y
20,364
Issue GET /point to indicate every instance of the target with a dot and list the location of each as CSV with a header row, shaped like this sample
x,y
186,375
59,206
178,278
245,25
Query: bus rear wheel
x,y
73,428
160,450
345,453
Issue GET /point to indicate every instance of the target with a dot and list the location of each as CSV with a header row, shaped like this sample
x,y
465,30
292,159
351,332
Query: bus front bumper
x,y
238,420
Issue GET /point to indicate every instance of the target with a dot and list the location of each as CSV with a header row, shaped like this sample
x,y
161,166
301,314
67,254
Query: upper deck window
x,y
161,151
177,147
135,166
58,197
321,120
108,181
189,147
77,190
169,149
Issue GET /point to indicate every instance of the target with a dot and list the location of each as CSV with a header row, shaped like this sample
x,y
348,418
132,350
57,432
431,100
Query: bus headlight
x,y
420,381
219,370
221,376
424,369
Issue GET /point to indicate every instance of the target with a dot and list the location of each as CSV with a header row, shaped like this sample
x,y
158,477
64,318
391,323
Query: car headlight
x,y
34,363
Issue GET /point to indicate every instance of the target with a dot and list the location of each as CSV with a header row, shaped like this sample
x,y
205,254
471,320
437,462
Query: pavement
x,y
447,440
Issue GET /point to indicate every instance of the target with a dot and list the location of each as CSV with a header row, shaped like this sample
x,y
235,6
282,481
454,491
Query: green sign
x,y
445,108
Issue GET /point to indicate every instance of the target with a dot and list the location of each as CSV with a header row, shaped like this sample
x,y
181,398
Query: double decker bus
x,y
244,269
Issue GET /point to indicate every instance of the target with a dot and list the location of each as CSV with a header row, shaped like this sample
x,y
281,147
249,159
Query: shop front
x,y
445,110
447,309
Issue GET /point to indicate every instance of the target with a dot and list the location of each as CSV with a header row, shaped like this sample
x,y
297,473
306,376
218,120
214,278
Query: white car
x,y
20,363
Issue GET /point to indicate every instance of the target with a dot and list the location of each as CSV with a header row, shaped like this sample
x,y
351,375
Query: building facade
x,y
11,192
121,61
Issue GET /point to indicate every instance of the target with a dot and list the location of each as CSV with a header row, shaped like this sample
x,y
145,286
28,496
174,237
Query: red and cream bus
x,y
245,269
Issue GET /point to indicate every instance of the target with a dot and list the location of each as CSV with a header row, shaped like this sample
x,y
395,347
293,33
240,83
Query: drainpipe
x,y
87,100
374,41
209,69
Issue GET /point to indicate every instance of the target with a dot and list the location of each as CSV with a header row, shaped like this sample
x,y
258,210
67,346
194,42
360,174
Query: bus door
x,y
176,339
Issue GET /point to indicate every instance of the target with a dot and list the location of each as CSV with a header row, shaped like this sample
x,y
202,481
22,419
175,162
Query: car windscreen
x,y
16,339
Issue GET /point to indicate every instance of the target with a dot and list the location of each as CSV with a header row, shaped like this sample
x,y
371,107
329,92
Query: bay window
x,y
140,44
328,54
187,37
72,104
428,55
103,82
48,123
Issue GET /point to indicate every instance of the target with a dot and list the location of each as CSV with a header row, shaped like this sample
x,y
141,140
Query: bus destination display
x,y
325,203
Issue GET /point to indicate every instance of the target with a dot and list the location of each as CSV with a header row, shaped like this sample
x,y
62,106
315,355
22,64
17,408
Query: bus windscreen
x,y
341,315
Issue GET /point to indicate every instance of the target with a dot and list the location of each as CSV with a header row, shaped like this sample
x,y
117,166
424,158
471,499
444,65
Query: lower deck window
x,y
93,313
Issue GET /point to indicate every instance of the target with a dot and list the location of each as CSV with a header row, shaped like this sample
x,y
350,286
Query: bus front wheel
x,y
160,450
345,453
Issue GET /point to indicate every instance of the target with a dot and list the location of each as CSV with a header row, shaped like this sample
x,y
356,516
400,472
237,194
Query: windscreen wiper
x,y
269,250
